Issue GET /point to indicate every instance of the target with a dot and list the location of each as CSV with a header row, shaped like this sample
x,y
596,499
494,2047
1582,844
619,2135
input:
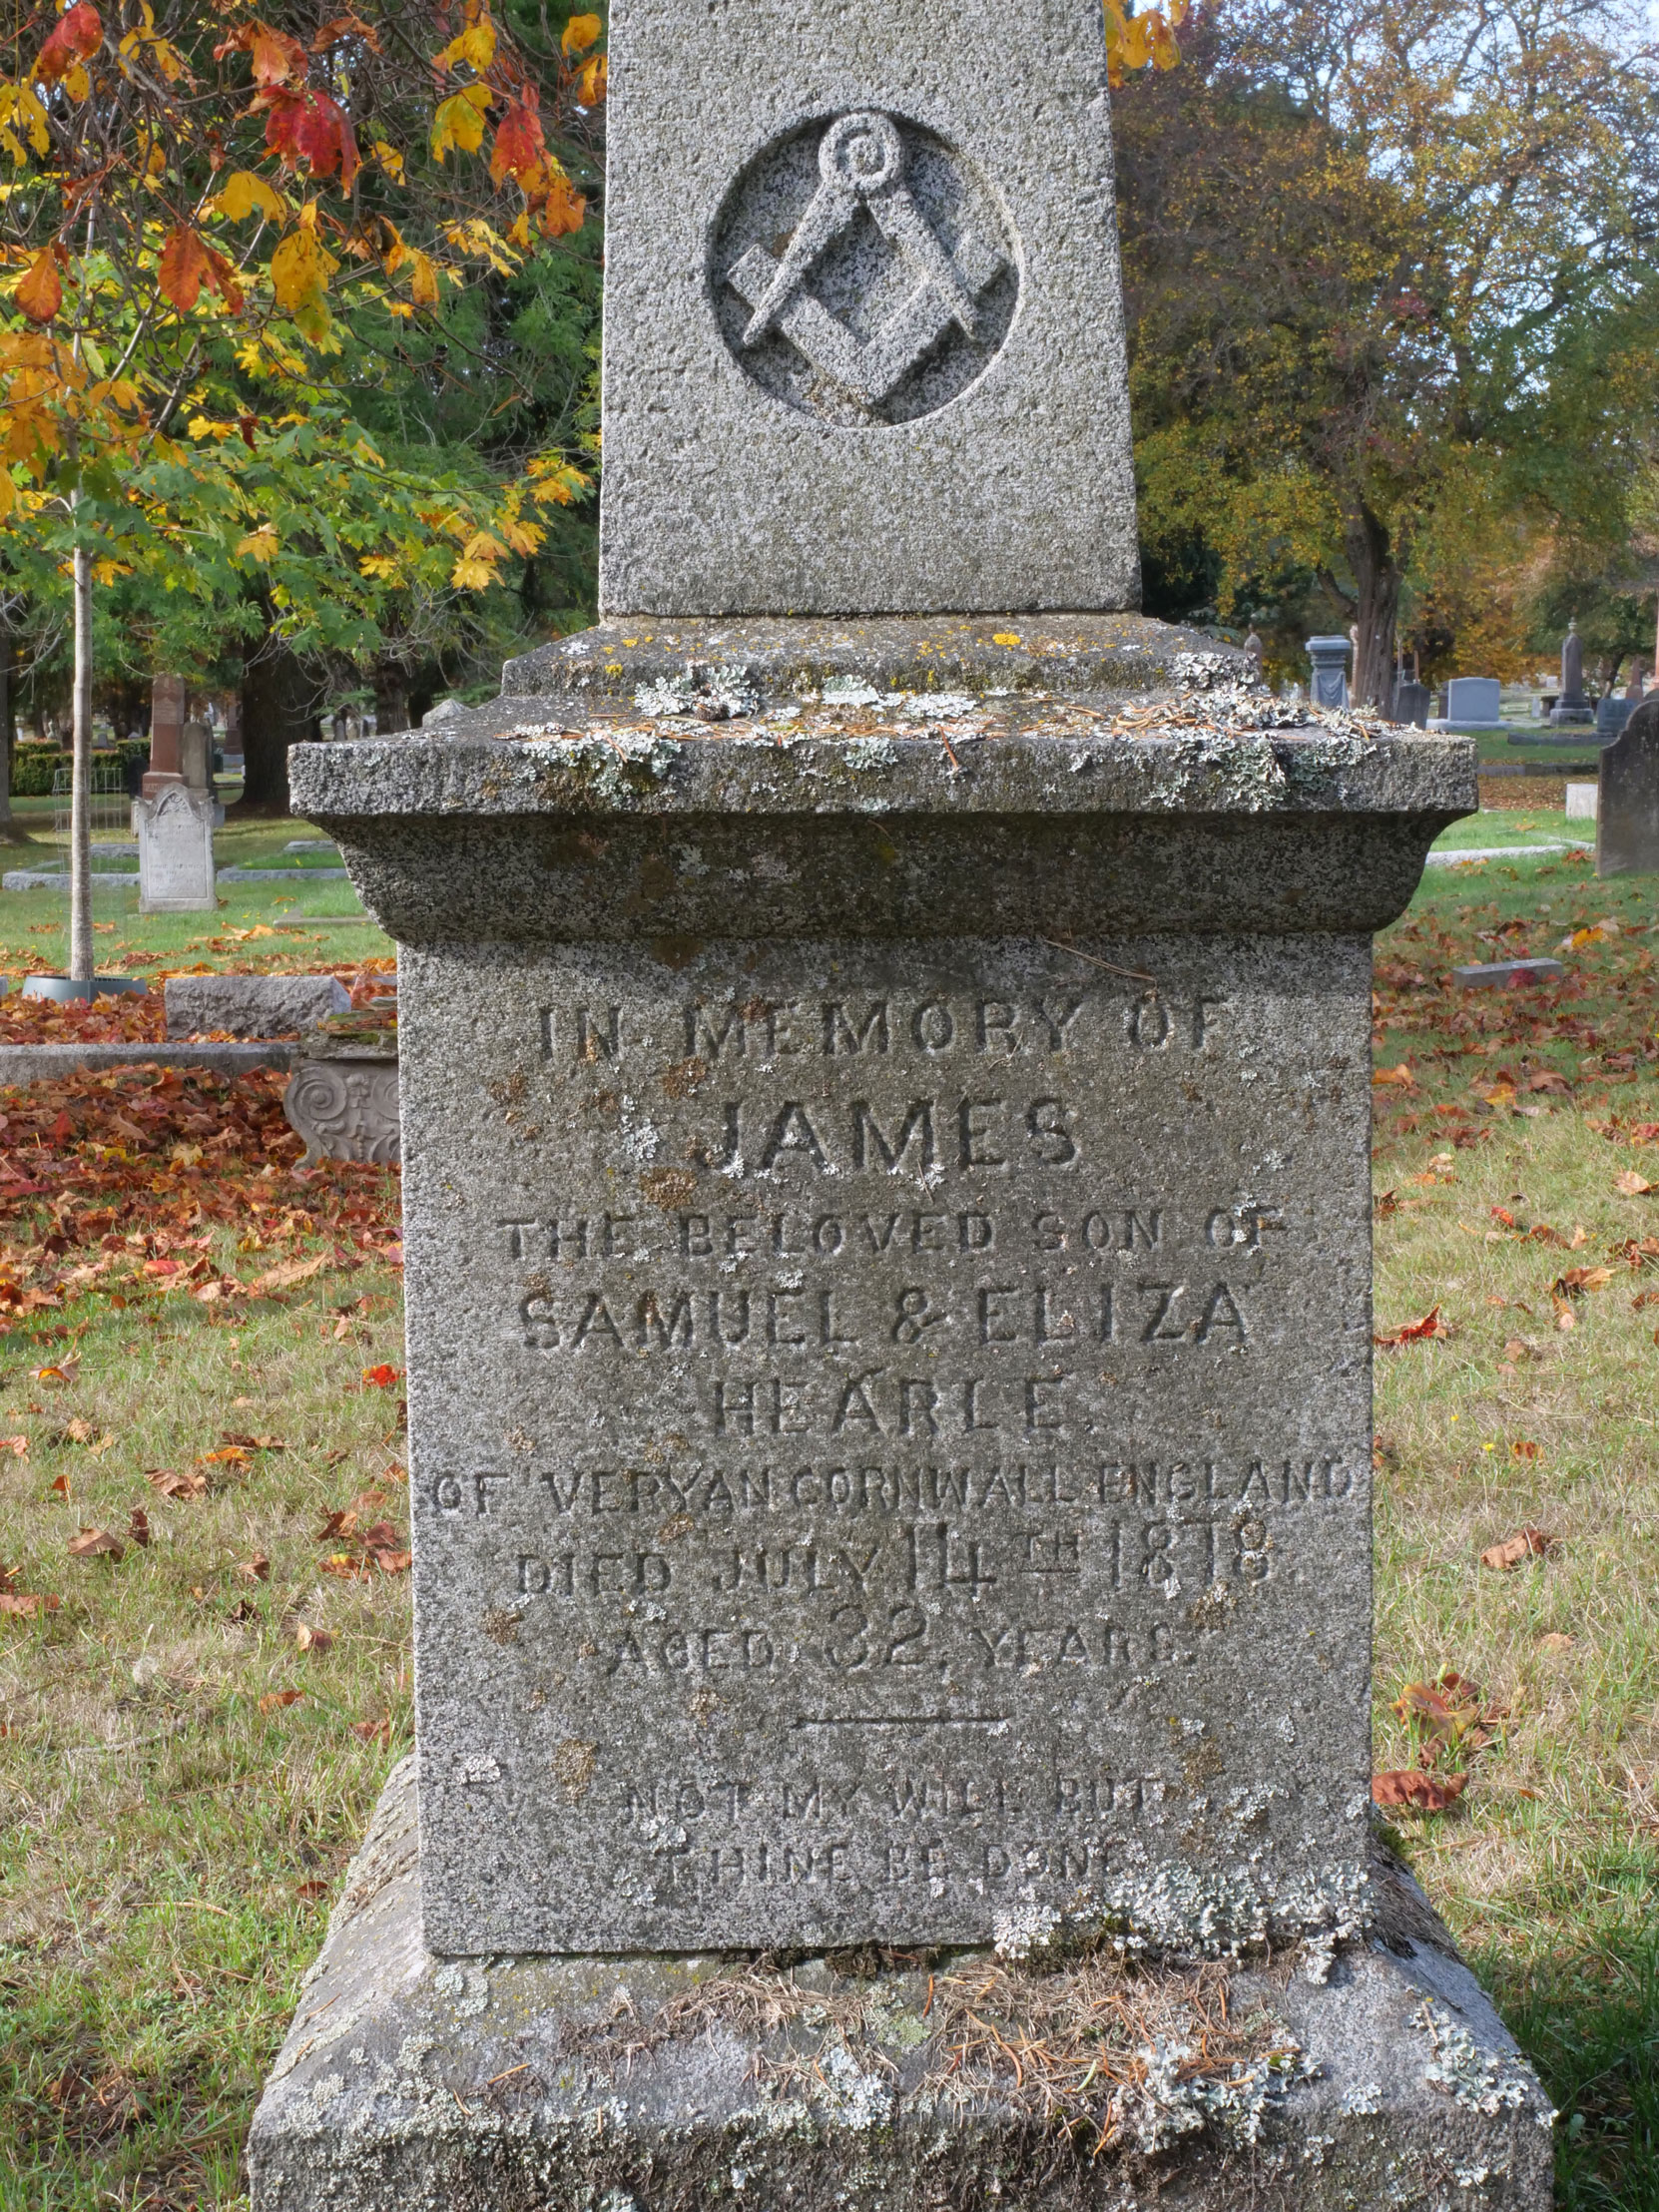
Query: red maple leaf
x,y
76,38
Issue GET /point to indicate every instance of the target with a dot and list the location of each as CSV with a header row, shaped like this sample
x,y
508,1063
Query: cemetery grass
x,y
177,1818
194,1733
1514,1129
251,929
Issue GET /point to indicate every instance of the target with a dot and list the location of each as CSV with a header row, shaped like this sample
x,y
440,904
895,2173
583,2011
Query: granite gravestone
x,y
830,1355
175,851
1329,658
251,1005
1627,798
1473,702
1612,713
886,1225
166,721
1572,708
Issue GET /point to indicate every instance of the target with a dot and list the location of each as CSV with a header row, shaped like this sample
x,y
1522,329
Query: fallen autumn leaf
x,y
1424,1793
1416,1332
96,1543
1531,1543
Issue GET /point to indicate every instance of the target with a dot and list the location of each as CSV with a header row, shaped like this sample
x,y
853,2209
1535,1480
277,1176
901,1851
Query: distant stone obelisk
x,y
1573,706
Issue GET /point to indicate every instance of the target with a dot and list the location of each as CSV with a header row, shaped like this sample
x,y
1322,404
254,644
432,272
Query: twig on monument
x,y
1134,974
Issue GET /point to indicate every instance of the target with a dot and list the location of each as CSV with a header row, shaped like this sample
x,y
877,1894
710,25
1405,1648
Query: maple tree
x,y
207,211
1360,244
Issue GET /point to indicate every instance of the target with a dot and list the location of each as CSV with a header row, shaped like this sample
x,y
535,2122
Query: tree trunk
x,y
391,699
80,815
10,834
1371,555
278,710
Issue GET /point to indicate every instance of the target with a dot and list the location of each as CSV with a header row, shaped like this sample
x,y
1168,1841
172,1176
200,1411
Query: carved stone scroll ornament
x,y
345,1109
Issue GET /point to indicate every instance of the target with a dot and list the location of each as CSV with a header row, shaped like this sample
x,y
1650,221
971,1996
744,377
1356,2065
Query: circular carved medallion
x,y
863,271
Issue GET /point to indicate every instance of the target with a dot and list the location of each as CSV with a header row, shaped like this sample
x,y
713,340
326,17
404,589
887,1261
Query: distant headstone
x,y
1473,702
1635,690
251,1005
1329,656
1582,800
1627,807
175,851
167,722
195,756
1253,650
1412,701
1484,974
1573,706
1612,713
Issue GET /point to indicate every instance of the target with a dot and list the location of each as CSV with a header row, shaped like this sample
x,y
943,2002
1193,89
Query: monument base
x,y
882,2082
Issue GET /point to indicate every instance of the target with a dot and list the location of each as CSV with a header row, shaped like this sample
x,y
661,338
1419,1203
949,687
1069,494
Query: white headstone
x,y
176,853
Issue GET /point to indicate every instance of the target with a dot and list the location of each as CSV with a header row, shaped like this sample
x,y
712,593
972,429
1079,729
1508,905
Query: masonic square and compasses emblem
x,y
862,273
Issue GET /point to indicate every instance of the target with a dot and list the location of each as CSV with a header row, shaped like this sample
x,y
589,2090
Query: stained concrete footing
x,y
1378,2077
41,1064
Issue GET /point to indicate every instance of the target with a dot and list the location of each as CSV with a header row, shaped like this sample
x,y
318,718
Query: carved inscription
x,y
900,1496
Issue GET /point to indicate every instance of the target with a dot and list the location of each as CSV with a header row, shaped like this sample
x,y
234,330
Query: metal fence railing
x,y
112,810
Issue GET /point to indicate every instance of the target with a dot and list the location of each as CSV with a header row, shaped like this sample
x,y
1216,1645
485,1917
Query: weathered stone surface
x,y
1111,658
1627,808
653,836
251,1005
176,853
409,2084
882,1383
863,332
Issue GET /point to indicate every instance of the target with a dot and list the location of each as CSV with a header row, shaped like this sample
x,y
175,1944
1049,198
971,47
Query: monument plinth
x,y
884,1095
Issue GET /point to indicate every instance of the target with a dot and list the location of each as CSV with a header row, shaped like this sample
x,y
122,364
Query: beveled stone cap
x,y
761,832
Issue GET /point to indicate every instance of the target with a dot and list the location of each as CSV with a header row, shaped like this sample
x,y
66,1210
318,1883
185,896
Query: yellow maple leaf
x,y
242,192
475,47
460,121
423,282
556,483
593,81
301,268
389,158
259,545
472,575
380,565
580,33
